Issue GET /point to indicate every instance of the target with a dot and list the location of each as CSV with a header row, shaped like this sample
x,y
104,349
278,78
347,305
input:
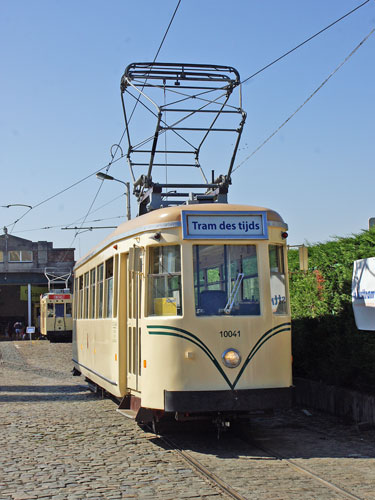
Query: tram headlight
x,y
231,358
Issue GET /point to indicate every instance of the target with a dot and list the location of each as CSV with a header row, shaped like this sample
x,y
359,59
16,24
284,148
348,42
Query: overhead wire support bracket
x,y
208,89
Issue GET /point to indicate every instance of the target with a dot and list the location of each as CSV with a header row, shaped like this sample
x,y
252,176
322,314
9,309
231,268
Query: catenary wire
x,y
244,81
124,131
67,225
108,166
248,78
305,41
307,100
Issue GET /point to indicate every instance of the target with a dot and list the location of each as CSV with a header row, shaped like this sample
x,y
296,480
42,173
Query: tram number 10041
x,y
230,333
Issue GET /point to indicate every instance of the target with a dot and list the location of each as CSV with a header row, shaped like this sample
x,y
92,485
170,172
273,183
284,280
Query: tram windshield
x,y
226,280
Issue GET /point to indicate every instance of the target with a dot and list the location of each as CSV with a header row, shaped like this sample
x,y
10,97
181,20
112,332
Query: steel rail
x,y
215,480
201,469
299,468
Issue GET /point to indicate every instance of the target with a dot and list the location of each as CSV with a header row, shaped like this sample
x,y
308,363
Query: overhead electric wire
x,y
306,101
156,56
107,167
64,190
305,41
123,133
67,225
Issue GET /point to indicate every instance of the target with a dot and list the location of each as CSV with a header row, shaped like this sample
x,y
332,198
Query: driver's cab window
x,y
164,281
226,280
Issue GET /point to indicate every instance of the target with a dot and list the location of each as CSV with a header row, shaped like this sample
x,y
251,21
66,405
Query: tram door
x,y
134,294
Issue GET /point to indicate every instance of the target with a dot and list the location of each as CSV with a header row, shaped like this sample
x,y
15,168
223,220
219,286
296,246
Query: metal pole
x,y
29,307
128,200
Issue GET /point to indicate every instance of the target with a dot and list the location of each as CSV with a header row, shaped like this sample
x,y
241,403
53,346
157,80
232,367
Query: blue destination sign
x,y
224,225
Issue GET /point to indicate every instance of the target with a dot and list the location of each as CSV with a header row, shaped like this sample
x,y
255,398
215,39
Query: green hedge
x,y
326,343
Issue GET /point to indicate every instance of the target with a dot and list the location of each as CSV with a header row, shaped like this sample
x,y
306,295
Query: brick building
x,y
23,262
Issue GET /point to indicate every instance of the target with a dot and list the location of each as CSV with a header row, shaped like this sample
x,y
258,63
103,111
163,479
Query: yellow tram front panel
x,y
185,353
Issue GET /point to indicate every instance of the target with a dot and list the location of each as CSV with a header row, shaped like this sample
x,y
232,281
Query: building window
x,y
20,256
1,256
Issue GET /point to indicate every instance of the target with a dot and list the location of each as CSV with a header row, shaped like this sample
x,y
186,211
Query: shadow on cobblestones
x,y
287,433
44,393
43,388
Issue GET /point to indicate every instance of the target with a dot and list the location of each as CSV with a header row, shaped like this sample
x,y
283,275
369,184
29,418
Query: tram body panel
x,y
97,348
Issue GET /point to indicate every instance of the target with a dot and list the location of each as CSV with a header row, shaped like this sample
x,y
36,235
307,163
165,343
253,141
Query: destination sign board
x,y
224,225
59,296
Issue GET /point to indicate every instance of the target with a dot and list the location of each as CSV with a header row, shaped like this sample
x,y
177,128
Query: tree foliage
x,y
327,345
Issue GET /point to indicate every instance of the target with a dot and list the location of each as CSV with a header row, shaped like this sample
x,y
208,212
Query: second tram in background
x,y
56,321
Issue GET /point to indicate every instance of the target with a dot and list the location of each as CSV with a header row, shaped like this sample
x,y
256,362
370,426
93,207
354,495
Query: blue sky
x,y
60,107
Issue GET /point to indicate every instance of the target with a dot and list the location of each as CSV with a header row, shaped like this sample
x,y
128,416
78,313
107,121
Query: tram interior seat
x,y
213,301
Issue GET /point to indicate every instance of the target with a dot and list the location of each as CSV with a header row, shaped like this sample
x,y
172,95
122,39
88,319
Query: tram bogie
x,y
184,311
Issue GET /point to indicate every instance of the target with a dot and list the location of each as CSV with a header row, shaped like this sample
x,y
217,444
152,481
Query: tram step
x,y
128,413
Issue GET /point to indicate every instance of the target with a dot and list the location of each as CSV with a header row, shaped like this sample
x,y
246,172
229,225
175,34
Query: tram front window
x,y
226,280
164,281
59,310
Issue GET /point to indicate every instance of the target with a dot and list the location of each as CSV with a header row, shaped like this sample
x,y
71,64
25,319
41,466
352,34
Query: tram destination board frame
x,y
228,225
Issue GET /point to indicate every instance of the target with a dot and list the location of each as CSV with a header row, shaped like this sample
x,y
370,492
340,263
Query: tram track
x,y
231,491
306,471
201,469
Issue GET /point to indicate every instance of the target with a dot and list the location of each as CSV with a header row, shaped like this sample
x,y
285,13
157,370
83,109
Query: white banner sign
x,y
225,225
363,293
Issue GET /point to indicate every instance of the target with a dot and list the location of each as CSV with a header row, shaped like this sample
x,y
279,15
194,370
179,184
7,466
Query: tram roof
x,y
171,217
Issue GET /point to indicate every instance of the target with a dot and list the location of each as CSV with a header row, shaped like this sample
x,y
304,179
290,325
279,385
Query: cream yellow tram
x,y
56,321
185,311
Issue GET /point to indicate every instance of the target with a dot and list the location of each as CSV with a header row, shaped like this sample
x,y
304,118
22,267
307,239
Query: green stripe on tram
x,y
172,331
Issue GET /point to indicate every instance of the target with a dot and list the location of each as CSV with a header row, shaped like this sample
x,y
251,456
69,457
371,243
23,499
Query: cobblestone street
x,y
59,441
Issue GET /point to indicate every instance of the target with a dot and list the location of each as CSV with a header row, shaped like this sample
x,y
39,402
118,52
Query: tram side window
x,y
226,280
164,281
80,284
277,276
68,310
86,295
109,286
92,294
100,290
76,288
50,310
